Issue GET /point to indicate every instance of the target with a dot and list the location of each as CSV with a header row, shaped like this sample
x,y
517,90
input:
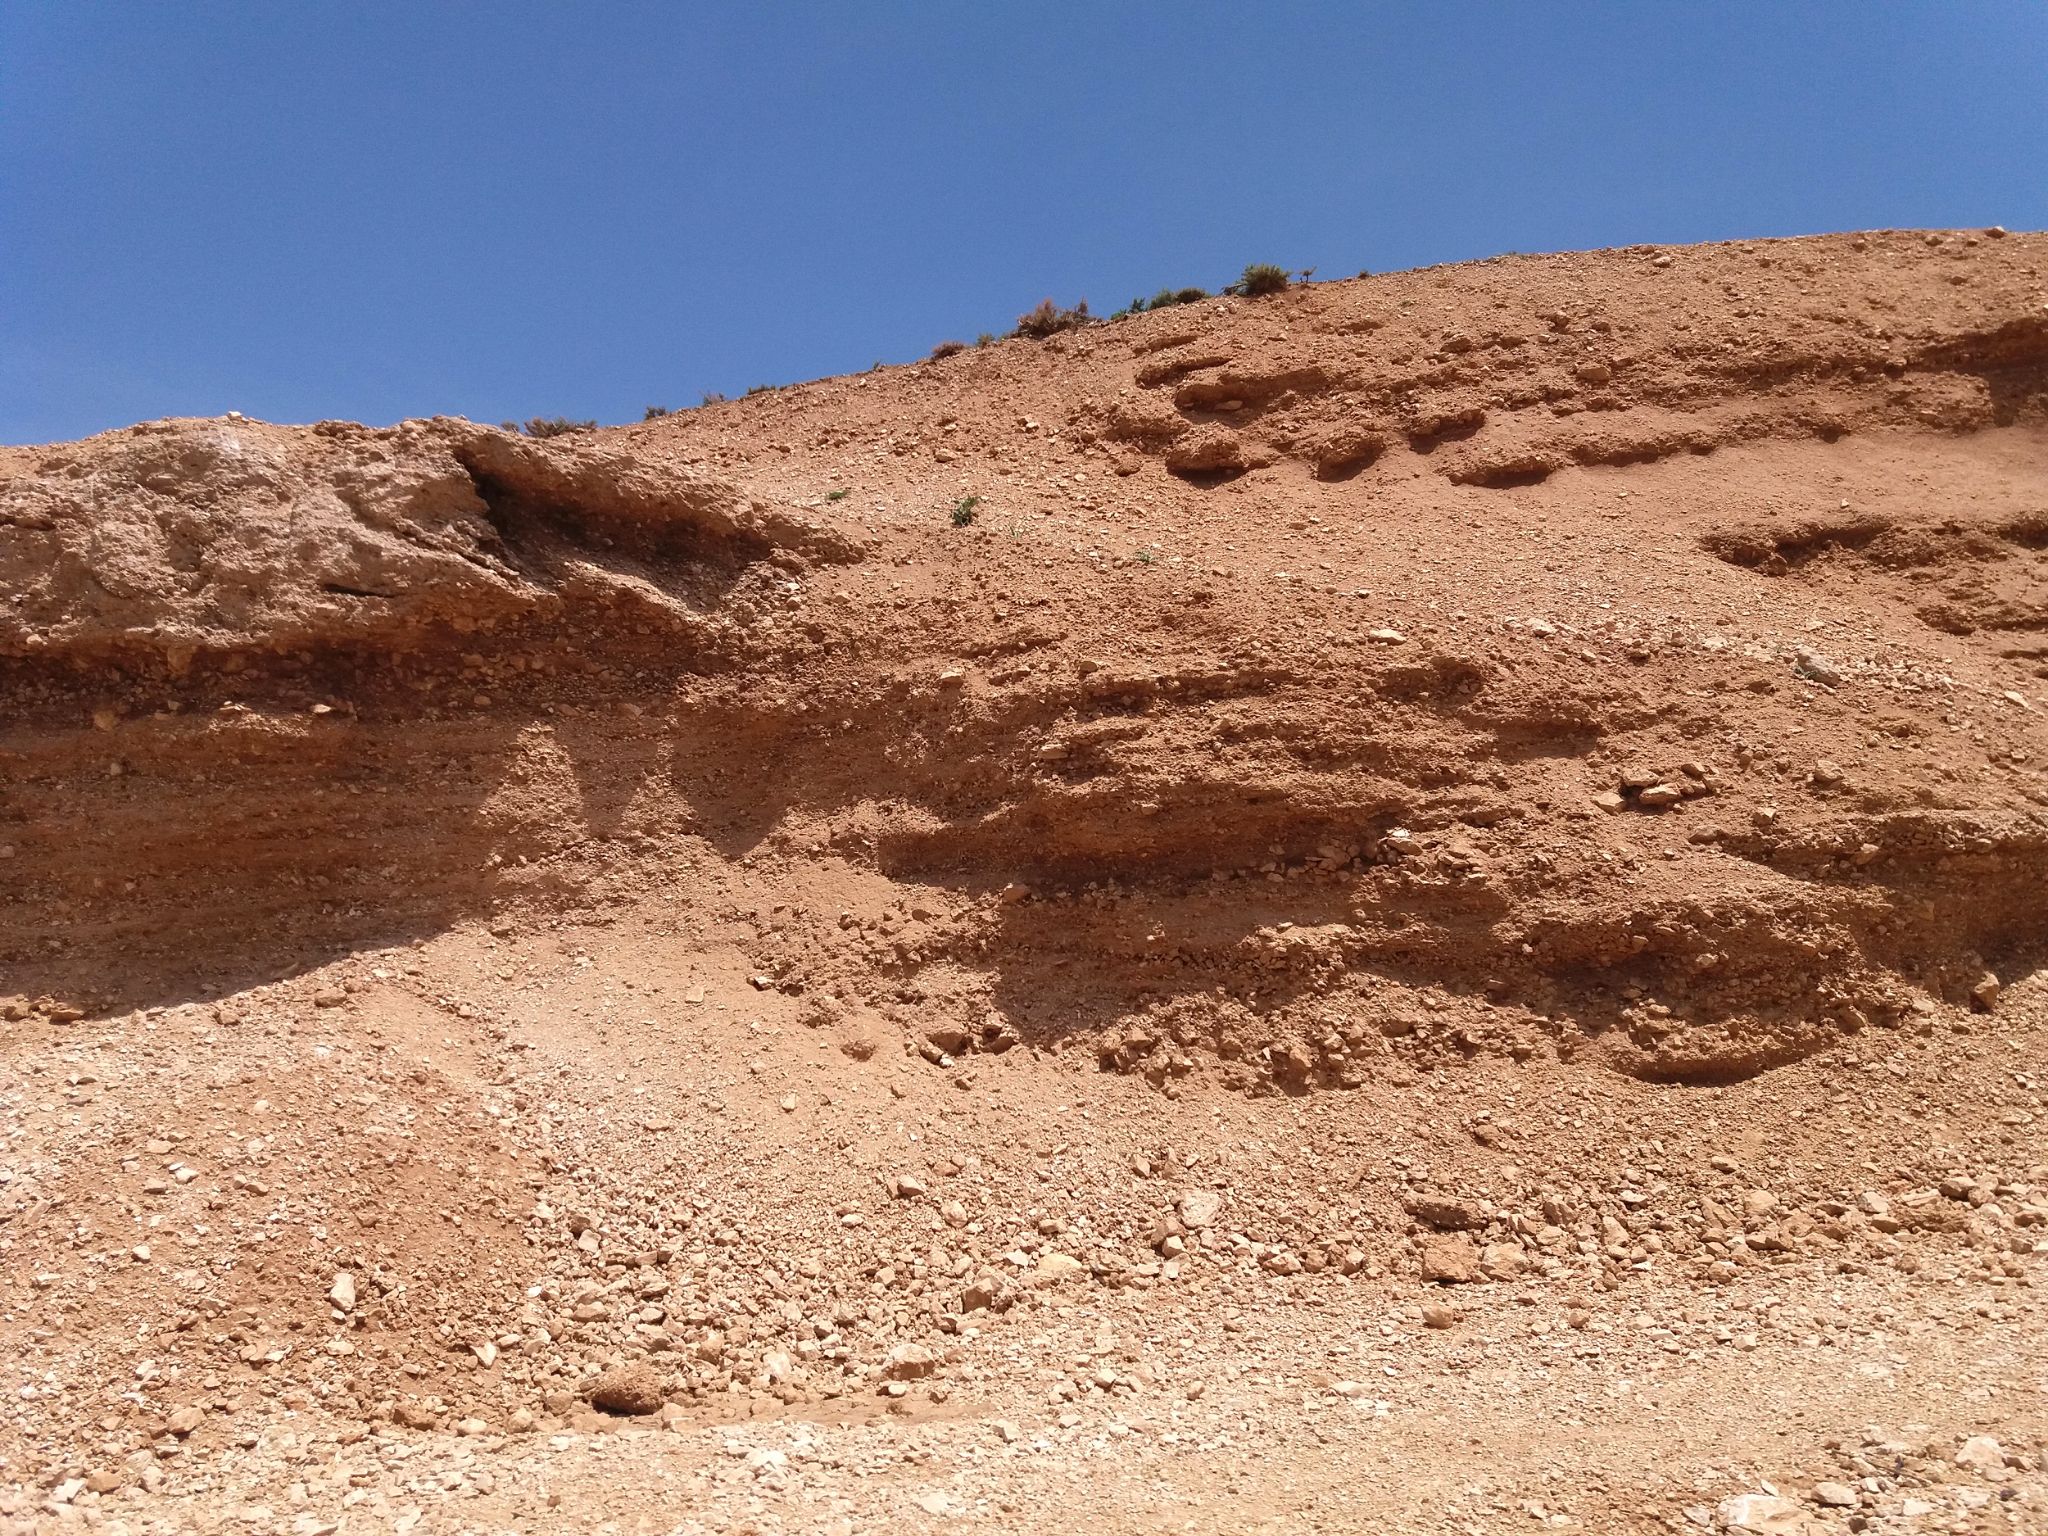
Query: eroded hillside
x,y
1524,776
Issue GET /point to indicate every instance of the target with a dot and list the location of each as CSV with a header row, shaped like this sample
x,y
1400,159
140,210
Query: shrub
x,y
948,349
1262,278
986,338
1165,298
964,510
712,397
838,495
761,389
1048,319
656,412
557,426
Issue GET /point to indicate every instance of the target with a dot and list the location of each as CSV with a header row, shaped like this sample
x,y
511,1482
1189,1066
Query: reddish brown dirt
x,y
1426,916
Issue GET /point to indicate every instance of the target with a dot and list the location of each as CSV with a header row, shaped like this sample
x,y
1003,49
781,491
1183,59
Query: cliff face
x,y
1631,652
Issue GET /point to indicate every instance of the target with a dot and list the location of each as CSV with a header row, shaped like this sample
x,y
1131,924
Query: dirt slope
x,y
1435,878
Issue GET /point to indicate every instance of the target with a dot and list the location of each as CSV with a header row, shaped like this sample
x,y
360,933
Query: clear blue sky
x,y
377,210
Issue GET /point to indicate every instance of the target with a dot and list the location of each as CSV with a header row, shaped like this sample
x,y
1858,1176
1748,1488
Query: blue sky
x,y
377,210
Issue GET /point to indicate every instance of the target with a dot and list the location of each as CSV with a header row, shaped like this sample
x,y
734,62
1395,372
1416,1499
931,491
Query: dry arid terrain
x,y
1414,905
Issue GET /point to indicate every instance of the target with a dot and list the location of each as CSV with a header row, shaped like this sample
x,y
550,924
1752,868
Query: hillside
x,y
1411,905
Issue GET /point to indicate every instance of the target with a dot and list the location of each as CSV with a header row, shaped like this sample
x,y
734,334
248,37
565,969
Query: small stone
x,y
1981,1453
1502,1261
1199,1207
627,1389
1386,636
329,997
1760,1514
1056,1267
1450,1260
1834,1495
909,1362
1446,1213
1816,667
1436,1315
1610,801
183,1421
343,1292
1659,797
907,1186
1985,992
1827,773
789,1103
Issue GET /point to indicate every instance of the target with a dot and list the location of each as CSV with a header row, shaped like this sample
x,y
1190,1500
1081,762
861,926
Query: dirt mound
x,y
723,911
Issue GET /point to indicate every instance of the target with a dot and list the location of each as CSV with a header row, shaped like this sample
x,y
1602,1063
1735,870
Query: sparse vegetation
x,y
761,389
556,426
1165,298
948,349
964,510
1048,319
656,412
985,338
1262,278
712,397
839,495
